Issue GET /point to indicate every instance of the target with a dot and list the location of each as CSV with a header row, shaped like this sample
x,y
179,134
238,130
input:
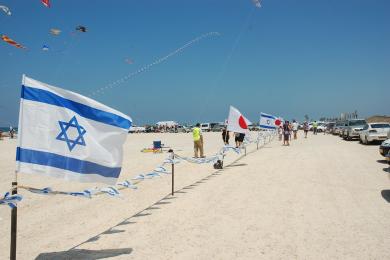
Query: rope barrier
x,y
265,136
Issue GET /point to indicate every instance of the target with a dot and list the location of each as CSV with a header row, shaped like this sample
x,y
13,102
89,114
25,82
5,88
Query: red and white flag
x,y
46,3
237,122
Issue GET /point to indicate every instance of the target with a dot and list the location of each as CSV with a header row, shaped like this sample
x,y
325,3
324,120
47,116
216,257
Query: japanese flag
x,y
237,122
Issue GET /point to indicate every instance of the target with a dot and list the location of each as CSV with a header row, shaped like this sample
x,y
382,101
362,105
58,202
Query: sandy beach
x,y
320,198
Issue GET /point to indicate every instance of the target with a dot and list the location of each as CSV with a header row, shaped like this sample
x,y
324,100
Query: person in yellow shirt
x,y
198,141
315,126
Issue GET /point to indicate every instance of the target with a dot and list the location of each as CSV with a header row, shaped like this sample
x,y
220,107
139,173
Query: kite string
x,y
224,66
156,62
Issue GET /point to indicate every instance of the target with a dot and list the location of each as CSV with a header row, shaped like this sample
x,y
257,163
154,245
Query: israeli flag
x,y
268,121
66,135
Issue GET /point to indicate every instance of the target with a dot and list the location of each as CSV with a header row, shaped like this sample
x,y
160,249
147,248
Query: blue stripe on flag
x,y
44,96
267,126
65,163
267,116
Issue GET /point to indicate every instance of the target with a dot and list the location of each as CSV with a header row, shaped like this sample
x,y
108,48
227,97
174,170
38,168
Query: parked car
x,y
342,127
353,128
137,129
374,132
205,127
183,129
337,127
329,127
216,127
384,149
321,127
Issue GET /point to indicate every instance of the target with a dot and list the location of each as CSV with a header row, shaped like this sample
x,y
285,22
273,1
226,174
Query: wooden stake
x,y
14,222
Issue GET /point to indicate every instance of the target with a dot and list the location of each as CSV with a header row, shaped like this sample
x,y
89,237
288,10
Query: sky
x,y
288,58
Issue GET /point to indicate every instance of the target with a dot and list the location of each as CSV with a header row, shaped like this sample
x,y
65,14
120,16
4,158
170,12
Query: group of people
x,y
12,133
198,140
287,128
238,137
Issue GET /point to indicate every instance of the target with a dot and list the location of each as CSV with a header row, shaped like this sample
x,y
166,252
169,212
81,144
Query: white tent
x,y
167,123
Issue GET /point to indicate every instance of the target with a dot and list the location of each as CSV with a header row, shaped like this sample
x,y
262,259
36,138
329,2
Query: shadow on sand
x,y
74,253
83,254
237,165
386,195
382,161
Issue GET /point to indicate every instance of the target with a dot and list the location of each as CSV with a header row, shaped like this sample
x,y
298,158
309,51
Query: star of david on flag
x,y
63,136
66,135
269,121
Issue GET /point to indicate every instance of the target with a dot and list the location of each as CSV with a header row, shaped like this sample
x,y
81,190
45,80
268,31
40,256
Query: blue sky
x,y
288,58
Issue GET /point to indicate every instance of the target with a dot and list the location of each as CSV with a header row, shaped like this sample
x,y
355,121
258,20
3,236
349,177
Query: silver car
x,y
353,128
374,132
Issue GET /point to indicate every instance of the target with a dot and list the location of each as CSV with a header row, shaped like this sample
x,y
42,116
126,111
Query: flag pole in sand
x,y
14,222
14,211
173,171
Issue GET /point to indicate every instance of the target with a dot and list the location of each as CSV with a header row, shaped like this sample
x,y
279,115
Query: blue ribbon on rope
x,y
44,191
127,184
110,191
86,194
11,200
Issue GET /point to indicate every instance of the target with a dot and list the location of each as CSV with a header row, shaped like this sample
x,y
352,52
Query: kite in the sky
x,y
5,9
81,28
12,42
46,3
129,61
55,32
45,47
257,3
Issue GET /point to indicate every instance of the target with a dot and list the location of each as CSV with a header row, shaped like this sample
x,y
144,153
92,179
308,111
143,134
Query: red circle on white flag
x,y
277,122
242,122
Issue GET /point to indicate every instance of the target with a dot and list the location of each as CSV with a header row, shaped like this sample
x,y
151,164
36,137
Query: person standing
x,y
286,133
305,128
225,136
239,139
280,132
198,141
315,126
11,132
295,128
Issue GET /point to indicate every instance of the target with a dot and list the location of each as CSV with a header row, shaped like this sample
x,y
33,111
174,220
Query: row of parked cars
x,y
365,132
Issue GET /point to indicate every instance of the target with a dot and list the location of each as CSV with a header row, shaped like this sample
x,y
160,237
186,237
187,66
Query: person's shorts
x,y
240,138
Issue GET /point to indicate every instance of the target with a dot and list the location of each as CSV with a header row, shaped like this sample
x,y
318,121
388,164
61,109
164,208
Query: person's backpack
x,y
218,164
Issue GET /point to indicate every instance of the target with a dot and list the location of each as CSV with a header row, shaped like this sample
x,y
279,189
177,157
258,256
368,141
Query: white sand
x,y
320,198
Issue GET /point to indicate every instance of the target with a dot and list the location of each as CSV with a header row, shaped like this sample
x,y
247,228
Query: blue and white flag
x,y
66,135
269,121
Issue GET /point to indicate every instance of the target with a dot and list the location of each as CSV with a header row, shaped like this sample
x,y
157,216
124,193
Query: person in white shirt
x,y
295,128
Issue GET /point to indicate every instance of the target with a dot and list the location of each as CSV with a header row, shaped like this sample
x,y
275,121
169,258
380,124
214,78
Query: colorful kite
x,y
5,9
46,3
45,47
257,3
55,32
81,28
12,42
